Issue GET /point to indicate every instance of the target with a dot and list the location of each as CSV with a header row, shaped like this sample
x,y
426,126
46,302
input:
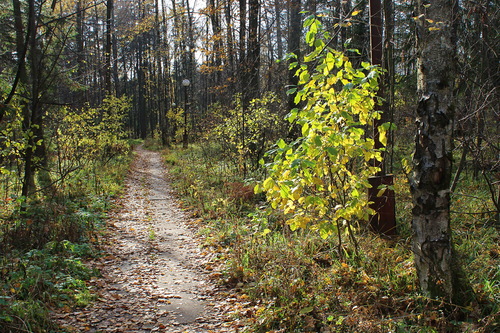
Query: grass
x,y
43,249
298,282
34,281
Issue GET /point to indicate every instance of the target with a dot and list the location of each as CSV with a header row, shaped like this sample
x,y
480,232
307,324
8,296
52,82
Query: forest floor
x,y
154,277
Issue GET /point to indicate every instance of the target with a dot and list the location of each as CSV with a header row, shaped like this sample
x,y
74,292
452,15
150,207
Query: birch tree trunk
x,y
432,159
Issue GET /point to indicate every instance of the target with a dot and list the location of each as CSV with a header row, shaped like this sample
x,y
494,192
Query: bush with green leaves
x,y
320,180
245,134
34,281
93,134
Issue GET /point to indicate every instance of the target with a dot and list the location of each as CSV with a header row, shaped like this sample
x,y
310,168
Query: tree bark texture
x,y
432,158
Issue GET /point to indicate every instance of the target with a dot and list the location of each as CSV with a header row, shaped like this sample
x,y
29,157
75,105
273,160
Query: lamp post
x,y
185,84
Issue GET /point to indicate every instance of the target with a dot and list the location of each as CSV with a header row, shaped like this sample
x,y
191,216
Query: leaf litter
x,y
154,277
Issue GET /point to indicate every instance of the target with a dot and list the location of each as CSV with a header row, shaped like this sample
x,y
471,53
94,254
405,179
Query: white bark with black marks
x,y
432,159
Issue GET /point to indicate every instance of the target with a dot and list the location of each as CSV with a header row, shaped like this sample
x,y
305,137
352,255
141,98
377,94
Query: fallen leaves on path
x,y
153,277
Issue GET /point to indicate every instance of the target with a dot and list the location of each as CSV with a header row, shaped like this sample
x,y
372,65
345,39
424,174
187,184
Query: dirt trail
x,y
153,279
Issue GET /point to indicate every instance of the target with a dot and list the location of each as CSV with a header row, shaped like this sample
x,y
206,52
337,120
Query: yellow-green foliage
x,y
320,179
245,134
93,134
12,143
175,117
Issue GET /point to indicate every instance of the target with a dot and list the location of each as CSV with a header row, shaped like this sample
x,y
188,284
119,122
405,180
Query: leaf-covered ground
x,y
154,277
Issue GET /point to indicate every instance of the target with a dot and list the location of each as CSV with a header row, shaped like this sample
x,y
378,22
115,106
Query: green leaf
x,y
284,191
281,143
306,310
317,141
348,86
292,115
304,77
305,129
330,61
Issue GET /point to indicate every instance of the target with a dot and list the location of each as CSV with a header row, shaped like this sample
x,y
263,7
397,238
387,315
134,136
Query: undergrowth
x,y
43,247
298,282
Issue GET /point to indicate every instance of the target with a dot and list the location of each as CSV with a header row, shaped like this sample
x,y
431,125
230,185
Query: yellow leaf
x,y
356,12
268,184
418,17
383,137
265,232
317,181
296,192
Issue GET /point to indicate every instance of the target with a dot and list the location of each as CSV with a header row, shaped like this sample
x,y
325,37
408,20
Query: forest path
x,y
152,278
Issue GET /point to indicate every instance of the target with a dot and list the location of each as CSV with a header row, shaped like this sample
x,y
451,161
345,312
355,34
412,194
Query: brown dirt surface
x,y
154,276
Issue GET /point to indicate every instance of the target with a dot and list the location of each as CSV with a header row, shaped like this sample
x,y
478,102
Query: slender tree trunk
x,y
279,33
230,47
242,61
80,57
108,45
34,154
432,160
217,41
294,33
345,12
253,49
141,84
388,77
97,75
21,48
376,59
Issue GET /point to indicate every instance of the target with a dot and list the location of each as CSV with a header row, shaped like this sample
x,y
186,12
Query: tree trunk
x,y
217,44
376,59
230,47
141,105
388,78
253,49
242,61
432,160
34,154
108,45
21,48
279,38
294,33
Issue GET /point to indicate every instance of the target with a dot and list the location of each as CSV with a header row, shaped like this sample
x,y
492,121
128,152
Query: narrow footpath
x,y
153,277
